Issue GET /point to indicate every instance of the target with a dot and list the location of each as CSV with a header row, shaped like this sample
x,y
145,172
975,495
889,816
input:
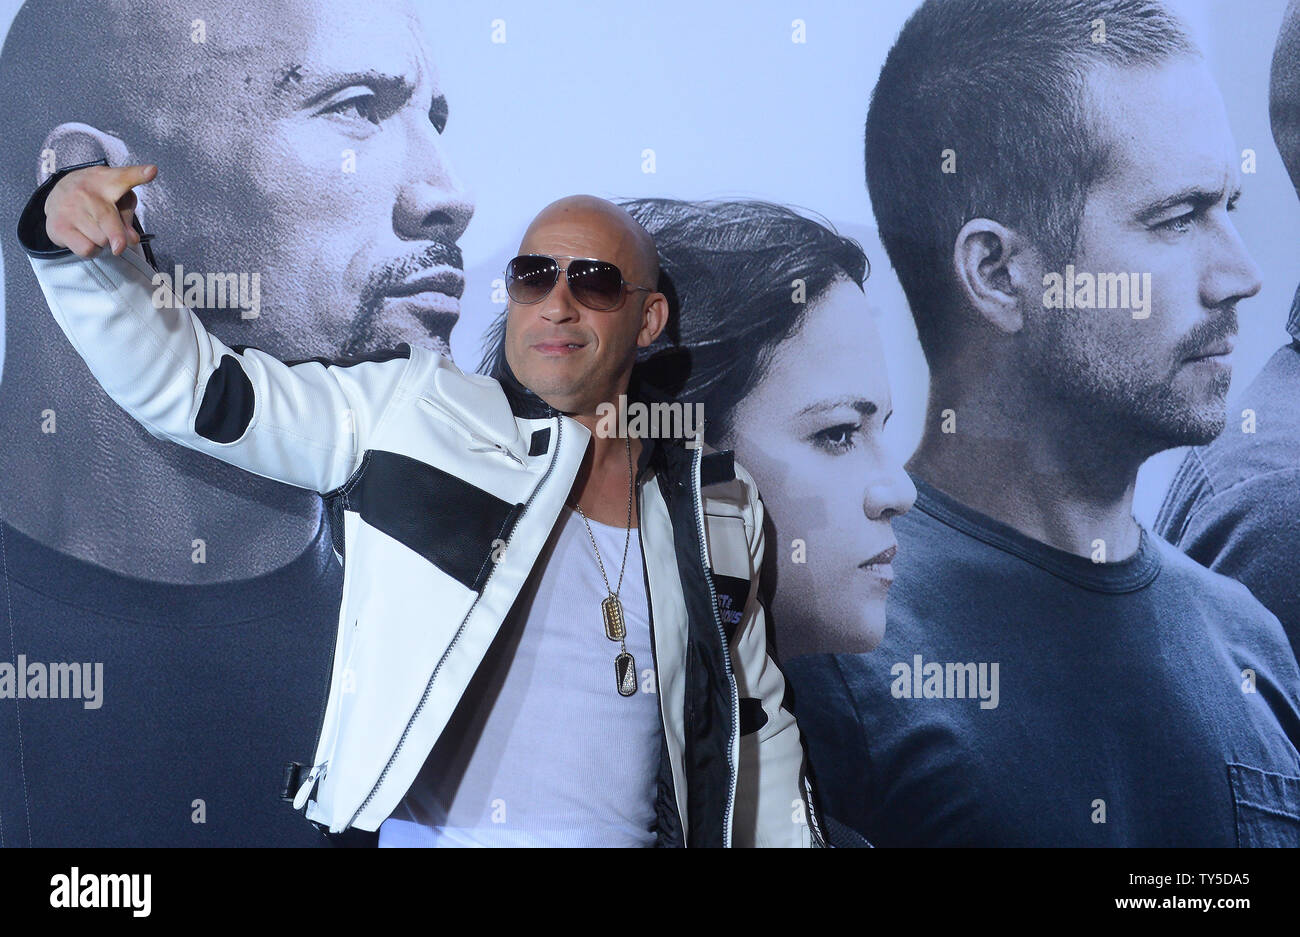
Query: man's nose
x,y
432,204
1232,273
559,304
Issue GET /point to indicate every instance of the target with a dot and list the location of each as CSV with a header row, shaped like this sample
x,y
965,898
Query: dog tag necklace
x,y
611,610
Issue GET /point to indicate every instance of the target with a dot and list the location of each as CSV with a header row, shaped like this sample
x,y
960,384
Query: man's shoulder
x,y
436,378
1225,599
930,549
1234,620
433,370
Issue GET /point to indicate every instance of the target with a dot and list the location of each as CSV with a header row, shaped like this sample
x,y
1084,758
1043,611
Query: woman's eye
x,y
836,439
365,106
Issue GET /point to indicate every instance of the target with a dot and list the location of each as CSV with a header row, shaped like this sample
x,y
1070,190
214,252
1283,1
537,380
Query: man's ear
x,y
996,270
654,316
71,143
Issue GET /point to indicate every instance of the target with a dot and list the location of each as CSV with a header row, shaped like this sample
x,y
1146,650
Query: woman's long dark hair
x,y
731,271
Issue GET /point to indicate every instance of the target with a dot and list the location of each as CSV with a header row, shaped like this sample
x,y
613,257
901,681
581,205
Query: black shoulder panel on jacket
x,y
227,406
453,524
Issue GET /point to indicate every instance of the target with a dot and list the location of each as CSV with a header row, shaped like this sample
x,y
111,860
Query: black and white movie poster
x,y
815,424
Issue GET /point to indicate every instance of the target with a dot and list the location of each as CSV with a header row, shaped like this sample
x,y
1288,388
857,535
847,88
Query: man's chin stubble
x,y
1191,429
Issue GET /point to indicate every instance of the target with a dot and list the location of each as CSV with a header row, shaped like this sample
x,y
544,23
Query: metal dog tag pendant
x,y
612,612
625,674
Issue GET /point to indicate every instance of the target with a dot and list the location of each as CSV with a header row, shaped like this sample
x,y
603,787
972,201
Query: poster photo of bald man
x,y
799,425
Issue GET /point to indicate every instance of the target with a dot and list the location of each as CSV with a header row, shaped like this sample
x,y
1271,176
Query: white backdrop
x,y
732,106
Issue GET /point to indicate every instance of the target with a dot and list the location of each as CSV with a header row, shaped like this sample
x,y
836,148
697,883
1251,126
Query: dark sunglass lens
x,y
529,278
595,283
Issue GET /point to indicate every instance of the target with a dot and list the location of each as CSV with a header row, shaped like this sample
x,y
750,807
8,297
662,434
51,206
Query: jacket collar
x,y
526,404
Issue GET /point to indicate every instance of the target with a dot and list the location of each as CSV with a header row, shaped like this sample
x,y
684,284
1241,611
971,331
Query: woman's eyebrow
x,y
863,406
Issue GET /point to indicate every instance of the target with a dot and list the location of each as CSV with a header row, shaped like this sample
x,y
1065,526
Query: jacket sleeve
x,y
775,802
303,423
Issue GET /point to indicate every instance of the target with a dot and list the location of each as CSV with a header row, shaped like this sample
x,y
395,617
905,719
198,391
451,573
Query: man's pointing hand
x,y
92,208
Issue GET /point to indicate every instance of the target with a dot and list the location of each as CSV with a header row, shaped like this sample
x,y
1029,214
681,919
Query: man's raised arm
x,y
305,424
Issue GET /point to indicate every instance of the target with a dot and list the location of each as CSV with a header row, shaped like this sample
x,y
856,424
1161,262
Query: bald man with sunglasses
x,y
550,635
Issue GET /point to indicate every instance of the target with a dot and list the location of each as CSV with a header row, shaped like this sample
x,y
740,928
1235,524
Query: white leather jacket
x,y
444,487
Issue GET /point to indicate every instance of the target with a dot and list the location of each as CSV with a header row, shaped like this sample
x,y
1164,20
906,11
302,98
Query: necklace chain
x,y
611,609
627,538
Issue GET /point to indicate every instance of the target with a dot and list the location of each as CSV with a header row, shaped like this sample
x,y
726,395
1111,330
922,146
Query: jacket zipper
x,y
807,793
727,815
654,647
482,442
485,444
317,771
428,688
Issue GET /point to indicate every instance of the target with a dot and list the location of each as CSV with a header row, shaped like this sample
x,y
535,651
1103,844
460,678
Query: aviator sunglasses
x,y
596,284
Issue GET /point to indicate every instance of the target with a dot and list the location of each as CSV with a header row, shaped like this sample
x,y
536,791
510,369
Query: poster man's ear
x,y
71,143
993,267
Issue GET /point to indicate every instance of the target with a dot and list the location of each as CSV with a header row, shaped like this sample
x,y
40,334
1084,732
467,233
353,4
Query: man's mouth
x,y
558,349
446,280
431,295
1216,351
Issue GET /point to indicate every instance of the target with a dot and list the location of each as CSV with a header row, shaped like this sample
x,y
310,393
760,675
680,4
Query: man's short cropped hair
x,y
1000,84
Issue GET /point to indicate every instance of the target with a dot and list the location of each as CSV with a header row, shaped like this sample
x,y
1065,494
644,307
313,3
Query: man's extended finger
x,y
122,179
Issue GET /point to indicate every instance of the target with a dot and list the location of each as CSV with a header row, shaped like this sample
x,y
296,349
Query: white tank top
x,y
542,750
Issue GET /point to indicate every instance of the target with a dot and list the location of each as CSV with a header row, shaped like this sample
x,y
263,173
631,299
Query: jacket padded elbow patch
x,y
227,406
